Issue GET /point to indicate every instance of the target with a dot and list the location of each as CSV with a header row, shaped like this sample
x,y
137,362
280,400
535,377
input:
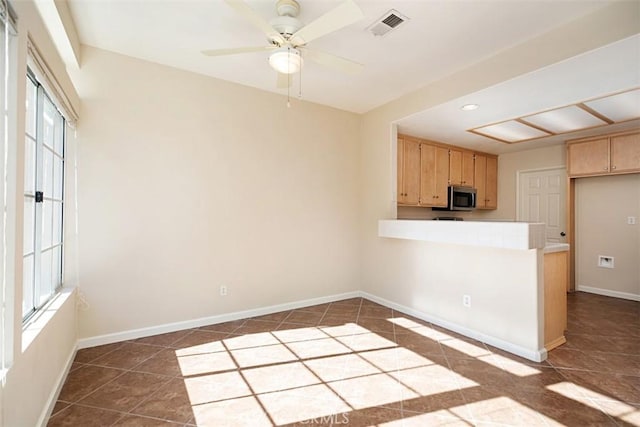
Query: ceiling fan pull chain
x,y
288,77
300,82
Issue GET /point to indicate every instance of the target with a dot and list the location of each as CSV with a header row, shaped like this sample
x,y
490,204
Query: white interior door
x,y
542,198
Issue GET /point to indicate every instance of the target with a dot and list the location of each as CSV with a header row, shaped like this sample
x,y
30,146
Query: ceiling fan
x,y
287,37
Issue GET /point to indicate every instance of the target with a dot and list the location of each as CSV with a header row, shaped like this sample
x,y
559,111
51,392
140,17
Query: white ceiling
x,y
441,37
610,69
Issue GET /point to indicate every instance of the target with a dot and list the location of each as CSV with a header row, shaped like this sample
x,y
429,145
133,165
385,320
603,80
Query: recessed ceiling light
x,y
565,119
469,107
511,131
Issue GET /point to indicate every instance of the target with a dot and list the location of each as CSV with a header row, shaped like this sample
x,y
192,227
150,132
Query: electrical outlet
x,y
466,300
223,291
631,220
605,261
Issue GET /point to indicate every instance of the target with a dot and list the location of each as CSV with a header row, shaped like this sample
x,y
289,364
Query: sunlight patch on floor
x,y
205,348
304,403
420,329
441,418
504,411
205,363
509,365
466,347
372,390
308,373
598,401
480,353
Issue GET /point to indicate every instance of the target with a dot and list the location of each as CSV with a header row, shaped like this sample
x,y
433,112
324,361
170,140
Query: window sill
x,y
37,323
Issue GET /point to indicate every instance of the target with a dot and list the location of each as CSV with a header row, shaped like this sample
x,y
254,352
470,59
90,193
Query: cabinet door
x,y
491,184
442,177
625,153
399,171
480,177
434,175
467,169
410,192
589,157
455,167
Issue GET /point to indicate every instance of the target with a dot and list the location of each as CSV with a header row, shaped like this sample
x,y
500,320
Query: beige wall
x,y
602,207
187,183
35,371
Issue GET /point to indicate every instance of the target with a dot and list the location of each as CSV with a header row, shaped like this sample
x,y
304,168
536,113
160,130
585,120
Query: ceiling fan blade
x,y
345,14
284,81
236,50
333,61
258,21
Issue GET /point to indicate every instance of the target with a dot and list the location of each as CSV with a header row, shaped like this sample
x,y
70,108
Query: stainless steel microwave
x,y
460,199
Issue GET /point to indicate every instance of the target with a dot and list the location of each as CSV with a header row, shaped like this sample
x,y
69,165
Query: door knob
x,y
562,233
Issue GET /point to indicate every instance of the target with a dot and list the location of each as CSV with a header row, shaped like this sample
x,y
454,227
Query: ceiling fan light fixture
x,y
286,60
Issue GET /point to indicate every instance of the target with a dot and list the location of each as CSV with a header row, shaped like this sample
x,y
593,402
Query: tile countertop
x,y
494,234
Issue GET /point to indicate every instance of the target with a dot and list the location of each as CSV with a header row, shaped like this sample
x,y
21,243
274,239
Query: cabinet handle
x,y
606,168
613,167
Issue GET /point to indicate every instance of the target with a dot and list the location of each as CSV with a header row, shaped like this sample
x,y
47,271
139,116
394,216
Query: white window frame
x,y
46,190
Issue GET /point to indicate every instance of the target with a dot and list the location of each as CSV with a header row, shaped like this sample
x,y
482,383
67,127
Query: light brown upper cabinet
x,y
427,168
491,184
625,153
461,168
408,172
486,181
434,165
604,155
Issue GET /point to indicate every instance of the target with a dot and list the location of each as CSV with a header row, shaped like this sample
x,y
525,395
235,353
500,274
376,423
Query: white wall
x,y
410,274
602,207
187,183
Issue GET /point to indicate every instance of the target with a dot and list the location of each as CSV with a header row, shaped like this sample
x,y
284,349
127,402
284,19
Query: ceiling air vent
x,y
387,22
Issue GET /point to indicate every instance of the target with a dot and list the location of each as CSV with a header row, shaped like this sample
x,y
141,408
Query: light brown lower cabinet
x,y
555,298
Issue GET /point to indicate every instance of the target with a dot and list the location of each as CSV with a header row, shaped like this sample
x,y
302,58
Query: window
x,y
43,199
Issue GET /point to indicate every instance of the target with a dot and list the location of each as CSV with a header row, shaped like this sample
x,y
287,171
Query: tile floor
x,y
356,363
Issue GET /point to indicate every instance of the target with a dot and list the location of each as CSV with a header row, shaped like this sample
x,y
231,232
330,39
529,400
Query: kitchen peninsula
x,y
493,279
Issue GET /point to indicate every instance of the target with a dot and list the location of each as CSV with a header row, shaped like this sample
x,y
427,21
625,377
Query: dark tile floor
x,y
357,363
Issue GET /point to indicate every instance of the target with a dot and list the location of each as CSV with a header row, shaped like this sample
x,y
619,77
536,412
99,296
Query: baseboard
x,y
534,355
608,293
53,396
555,343
204,321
